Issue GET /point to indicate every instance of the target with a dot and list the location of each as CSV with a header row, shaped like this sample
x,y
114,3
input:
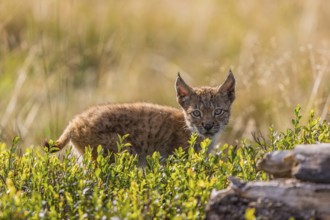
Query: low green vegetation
x,y
38,185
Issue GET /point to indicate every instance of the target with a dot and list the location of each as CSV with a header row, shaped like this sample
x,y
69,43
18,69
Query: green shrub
x,y
39,185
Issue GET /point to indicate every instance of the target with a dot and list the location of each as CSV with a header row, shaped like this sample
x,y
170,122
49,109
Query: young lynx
x,y
151,127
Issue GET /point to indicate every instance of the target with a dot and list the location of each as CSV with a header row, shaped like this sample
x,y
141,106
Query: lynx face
x,y
206,109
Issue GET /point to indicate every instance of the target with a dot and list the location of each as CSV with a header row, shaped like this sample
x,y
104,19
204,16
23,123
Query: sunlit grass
x,y
58,58
35,184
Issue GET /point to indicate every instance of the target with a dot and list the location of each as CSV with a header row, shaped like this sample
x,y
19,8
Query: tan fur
x,y
152,127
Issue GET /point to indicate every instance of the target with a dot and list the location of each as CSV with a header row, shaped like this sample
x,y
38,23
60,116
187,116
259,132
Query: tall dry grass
x,y
59,57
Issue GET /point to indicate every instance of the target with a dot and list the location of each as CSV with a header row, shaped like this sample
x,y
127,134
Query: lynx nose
x,y
208,126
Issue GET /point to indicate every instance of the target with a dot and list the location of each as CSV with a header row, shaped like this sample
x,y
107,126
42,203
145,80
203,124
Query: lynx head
x,y
206,109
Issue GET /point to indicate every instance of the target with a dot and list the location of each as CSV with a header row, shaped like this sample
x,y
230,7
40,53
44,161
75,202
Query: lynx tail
x,y
61,142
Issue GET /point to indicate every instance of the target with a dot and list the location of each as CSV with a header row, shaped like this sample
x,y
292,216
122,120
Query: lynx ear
x,y
228,87
182,89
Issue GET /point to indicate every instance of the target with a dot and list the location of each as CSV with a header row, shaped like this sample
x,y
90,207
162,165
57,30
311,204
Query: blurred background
x,y
57,58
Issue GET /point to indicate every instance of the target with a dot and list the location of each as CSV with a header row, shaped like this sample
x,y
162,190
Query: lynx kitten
x,y
151,127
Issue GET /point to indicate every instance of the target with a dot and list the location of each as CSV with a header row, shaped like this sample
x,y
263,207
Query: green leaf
x,y
249,214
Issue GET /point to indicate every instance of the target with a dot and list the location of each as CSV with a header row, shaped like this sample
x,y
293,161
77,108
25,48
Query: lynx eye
x,y
218,112
196,113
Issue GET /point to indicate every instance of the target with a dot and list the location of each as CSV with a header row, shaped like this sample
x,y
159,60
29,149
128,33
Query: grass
x,y
58,58
39,185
